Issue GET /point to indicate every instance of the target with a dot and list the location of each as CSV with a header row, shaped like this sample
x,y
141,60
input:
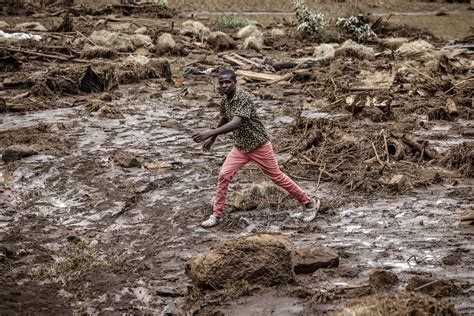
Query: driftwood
x,y
395,149
424,150
28,52
258,76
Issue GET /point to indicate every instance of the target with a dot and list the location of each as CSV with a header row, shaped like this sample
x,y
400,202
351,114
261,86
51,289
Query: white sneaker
x,y
210,222
310,213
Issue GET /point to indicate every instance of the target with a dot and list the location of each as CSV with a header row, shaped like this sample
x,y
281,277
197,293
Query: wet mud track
x,y
82,234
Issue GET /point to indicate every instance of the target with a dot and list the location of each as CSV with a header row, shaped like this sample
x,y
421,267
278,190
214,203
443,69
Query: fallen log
x,y
424,150
259,76
395,149
28,52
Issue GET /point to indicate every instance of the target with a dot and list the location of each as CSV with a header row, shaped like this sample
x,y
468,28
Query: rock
x,y
158,165
352,49
277,33
118,41
92,52
125,159
16,152
399,183
393,43
195,29
4,25
220,41
165,43
32,26
383,279
246,31
140,40
140,30
311,259
373,113
263,259
324,52
396,304
136,60
254,41
419,46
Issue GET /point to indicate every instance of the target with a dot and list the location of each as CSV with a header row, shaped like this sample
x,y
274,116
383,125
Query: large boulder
x,y
165,43
118,41
254,41
141,40
311,259
352,49
220,41
264,259
416,47
324,52
194,29
246,31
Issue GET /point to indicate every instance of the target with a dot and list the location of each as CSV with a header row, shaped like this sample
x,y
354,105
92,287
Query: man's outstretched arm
x,y
226,128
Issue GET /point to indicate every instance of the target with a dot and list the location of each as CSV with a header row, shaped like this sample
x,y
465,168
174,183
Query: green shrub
x,y
356,29
229,21
311,23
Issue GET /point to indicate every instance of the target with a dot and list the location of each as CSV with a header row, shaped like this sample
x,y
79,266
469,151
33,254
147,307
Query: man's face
x,y
226,84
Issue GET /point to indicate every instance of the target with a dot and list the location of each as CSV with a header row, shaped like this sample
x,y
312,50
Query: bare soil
x,y
105,217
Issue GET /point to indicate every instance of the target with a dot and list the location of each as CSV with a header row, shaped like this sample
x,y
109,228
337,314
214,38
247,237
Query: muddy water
x,y
144,224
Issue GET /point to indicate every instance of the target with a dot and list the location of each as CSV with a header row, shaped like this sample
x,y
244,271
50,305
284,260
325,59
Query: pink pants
x,y
265,158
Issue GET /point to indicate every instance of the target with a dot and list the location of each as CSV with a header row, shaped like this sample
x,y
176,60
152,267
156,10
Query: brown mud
x,y
104,215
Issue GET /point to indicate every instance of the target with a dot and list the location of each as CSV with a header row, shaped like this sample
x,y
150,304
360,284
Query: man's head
x,y
227,82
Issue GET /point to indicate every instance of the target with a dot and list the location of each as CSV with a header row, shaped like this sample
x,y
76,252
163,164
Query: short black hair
x,y
228,72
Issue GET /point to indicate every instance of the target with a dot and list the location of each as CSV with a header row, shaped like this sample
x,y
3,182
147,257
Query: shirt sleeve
x,y
244,108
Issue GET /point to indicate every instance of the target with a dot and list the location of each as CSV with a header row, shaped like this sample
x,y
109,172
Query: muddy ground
x,y
86,228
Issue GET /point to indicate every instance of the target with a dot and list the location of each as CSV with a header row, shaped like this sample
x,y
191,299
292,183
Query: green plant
x,y
356,28
161,3
311,23
229,21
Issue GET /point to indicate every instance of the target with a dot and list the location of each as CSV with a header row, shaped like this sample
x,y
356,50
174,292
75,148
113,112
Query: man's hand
x,y
199,137
208,144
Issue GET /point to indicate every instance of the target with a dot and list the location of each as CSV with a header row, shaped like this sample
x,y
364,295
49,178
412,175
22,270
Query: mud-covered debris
x,y
195,29
311,259
125,159
247,31
16,152
30,26
220,41
165,43
254,41
137,68
382,279
352,49
324,52
141,40
373,113
416,47
4,25
263,259
461,158
399,183
393,43
396,304
277,33
260,195
467,219
8,63
92,52
141,30
433,287
118,41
